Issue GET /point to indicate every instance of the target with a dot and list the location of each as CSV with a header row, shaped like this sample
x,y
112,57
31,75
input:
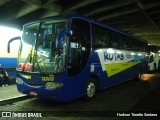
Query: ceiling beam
x,y
34,2
154,12
26,9
80,5
155,42
147,34
31,6
119,3
148,27
140,5
128,22
51,6
2,2
120,13
151,5
134,27
151,38
49,13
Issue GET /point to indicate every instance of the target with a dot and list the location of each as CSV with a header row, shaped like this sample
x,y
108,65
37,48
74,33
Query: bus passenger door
x,y
79,46
74,59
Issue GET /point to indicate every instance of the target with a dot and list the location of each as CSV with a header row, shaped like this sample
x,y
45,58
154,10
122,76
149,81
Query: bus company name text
x,y
113,56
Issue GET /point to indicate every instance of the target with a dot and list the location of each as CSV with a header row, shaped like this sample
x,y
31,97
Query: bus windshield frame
x,y
38,52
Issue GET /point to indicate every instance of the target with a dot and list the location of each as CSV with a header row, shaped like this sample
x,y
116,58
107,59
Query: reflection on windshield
x,y
42,56
29,33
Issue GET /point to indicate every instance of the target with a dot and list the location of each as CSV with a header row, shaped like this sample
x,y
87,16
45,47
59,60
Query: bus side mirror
x,y
60,39
11,40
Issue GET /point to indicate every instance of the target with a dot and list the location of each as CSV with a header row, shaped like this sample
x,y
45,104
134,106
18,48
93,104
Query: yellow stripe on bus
x,y
27,76
115,68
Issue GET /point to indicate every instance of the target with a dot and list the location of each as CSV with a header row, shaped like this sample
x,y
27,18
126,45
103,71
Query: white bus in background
x,y
9,60
154,59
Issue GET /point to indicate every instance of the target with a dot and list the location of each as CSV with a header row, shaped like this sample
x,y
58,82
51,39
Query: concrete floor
x,y
9,92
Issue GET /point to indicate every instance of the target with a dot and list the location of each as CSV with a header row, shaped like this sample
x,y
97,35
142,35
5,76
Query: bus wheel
x,y
91,89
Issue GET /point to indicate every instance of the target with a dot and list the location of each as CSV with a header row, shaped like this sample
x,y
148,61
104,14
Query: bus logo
x,y
113,56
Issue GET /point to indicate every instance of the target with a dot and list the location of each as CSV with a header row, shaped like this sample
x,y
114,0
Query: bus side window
x,y
134,45
115,39
99,37
126,43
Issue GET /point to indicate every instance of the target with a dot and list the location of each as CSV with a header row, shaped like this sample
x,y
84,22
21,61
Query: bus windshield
x,y
38,51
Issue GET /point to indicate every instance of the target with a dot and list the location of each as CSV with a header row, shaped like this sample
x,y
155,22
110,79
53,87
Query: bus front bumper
x,y
50,91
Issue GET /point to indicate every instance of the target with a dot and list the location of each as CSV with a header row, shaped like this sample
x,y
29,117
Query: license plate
x,y
33,93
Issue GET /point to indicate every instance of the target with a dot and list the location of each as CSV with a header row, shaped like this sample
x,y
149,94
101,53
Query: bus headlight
x,y
19,80
53,85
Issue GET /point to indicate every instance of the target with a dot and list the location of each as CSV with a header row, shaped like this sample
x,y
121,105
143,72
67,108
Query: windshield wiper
x,y
36,61
35,51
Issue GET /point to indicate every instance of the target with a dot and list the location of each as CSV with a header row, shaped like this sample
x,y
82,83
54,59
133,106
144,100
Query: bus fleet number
x,y
51,78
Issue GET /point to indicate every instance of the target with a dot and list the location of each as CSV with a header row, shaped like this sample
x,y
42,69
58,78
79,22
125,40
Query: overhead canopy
x,y
138,17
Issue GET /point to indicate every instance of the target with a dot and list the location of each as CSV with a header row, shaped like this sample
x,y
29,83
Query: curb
x,y
14,99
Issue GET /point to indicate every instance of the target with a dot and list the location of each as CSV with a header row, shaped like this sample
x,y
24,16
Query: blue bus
x,y
67,57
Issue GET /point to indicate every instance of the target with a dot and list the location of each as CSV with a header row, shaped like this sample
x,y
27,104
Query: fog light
x,y
19,80
53,85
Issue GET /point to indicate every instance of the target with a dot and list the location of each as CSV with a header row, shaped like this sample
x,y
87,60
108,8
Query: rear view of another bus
x,y
154,59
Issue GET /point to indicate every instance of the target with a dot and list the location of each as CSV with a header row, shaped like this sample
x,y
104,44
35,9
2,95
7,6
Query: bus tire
x,y
91,89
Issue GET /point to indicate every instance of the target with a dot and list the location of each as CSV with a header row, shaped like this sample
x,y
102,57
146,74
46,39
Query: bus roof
x,y
71,16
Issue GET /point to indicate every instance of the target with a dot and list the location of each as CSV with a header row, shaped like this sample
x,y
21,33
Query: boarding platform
x,y
9,93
